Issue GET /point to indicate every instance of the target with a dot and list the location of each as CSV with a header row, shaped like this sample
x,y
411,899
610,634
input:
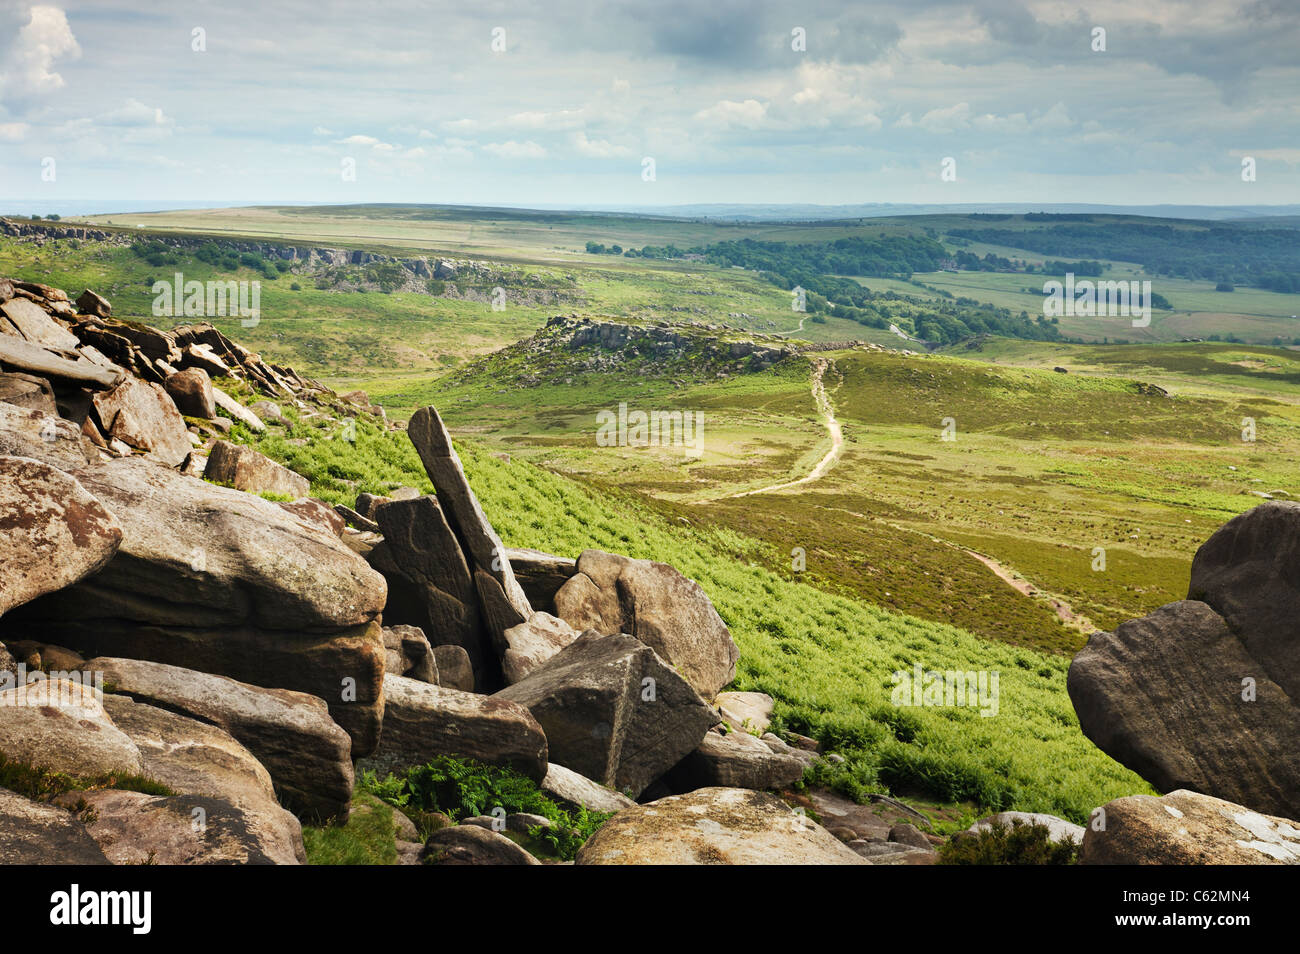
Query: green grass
x,y
41,784
367,839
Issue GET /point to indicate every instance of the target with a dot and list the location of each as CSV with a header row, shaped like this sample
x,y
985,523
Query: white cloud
x,y
749,114
14,132
135,113
45,39
515,150
599,148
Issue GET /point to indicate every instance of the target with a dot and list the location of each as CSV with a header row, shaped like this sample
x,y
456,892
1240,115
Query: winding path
x,y
832,426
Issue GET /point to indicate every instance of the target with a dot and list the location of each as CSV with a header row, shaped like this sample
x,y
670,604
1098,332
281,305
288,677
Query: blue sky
x,y
582,93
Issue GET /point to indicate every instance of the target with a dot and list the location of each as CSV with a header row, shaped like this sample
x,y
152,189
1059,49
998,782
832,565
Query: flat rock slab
x,y
1187,828
659,606
34,833
614,711
422,721
714,826
142,415
52,531
291,733
35,325
576,789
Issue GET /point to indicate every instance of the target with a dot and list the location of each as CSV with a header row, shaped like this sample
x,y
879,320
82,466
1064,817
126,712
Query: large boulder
x,y
735,760
504,602
613,710
714,826
52,531
133,828
1249,572
191,389
220,581
430,583
423,721
34,833
29,391
291,733
1188,828
1166,696
653,602
530,644
407,653
454,668
34,324
142,415
61,725
472,845
27,432
243,468
746,711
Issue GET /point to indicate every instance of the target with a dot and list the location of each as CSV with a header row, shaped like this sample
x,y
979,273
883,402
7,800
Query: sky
x,y
572,103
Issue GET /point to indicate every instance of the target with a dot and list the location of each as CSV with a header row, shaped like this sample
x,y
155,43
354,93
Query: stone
x,y
734,760
28,391
90,303
221,581
315,513
1188,828
1163,695
1059,830
893,853
25,432
569,786
60,725
52,531
524,822
267,411
472,845
480,543
423,721
429,580
714,826
133,828
237,411
191,390
34,833
532,643
906,834
614,711
541,575
409,654
746,711
653,602
454,669
243,468
35,325
142,415
291,733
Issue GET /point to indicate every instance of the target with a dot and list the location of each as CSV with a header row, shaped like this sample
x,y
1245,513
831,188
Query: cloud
x,y
515,150
46,38
749,114
135,113
599,148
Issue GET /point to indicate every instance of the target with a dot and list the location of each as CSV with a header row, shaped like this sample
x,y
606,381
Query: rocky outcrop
x,y
191,390
422,722
1188,828
52,531
614,711
291,733
653,602
142,415
220,581
714,826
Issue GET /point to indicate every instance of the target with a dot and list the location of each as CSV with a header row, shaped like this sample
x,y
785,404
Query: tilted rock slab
x,y
253,472
659,606
52,531
220,581
291,733
423,721
143,415
504,604
34,833
715,826
566,784
1188,828
614,711
25,432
